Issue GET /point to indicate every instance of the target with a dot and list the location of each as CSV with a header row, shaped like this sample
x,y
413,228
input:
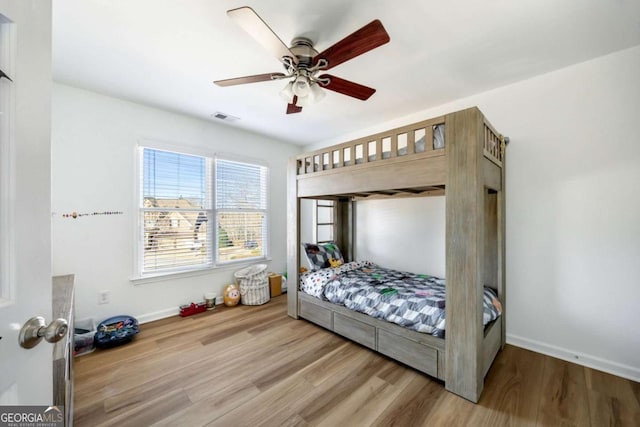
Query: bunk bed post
x,y
352,229
344,228
502,209
464,254
293,238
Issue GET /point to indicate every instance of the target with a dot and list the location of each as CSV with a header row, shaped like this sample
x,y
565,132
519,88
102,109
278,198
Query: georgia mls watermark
x,y
31,416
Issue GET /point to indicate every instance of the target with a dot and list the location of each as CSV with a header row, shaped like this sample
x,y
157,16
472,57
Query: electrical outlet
x,y
103,297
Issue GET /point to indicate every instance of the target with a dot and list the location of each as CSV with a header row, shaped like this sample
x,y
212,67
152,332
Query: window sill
x,y
161,277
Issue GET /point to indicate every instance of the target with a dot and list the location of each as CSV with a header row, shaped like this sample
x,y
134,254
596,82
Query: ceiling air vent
x,y
223,116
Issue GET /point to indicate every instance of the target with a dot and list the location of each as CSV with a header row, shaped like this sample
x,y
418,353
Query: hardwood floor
x,y
250,366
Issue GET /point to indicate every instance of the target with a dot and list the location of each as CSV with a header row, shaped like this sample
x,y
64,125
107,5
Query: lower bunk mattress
x,y
414,301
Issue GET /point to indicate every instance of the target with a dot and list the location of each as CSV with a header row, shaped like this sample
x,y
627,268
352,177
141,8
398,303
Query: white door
x,y
25,197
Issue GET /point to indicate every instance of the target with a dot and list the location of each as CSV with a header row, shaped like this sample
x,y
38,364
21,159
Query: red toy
x,y
193,308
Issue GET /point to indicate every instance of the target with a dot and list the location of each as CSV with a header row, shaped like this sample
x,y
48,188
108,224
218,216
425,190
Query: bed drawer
x,y
414,354
355,330
316,314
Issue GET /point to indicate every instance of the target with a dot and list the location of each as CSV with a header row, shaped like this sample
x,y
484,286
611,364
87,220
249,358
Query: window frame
x,y
140,242
141,276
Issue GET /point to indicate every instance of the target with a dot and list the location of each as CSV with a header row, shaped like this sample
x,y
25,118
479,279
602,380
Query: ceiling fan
x,y
304,65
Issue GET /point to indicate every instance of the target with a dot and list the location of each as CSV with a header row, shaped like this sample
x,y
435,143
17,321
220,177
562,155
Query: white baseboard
x,y
157,315
162,314
589,361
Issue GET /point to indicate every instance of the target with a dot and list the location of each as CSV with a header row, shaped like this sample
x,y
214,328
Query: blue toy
x,y
116,331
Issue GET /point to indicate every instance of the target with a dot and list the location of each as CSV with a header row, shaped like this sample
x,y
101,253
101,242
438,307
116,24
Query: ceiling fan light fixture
x,y
303,101
314,95
301,86
287,93
317,91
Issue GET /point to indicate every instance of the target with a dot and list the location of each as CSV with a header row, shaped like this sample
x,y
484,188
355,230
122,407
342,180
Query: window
x,y
175,211
241,210
184,227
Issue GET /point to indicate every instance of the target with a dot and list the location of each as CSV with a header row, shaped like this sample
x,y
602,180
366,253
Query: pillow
x,y
319,254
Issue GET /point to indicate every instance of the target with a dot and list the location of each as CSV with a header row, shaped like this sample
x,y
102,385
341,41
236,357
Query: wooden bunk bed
x,y
469,171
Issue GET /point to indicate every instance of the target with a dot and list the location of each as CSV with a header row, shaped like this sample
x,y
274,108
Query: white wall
x,y
93,157
382,230
573,209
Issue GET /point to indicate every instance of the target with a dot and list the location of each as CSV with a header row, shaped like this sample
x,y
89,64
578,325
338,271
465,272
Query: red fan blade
x,y
249,20
249,79
348,88
366,38
293,108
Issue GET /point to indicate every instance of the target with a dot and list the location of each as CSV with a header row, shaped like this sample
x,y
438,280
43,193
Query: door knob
x,y
35,329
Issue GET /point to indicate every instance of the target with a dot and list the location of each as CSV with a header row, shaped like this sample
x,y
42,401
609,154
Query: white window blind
x,y
176,210
241,210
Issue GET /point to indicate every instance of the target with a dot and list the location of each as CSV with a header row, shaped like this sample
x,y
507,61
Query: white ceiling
x,y
166,53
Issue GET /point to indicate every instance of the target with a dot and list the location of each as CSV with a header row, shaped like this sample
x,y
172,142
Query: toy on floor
x,y
231,295
116,331
193,308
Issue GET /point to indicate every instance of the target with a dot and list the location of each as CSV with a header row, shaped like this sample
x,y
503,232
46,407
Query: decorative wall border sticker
x,y
75,215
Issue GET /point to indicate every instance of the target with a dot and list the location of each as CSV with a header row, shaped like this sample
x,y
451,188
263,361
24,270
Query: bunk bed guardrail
x,y
421,139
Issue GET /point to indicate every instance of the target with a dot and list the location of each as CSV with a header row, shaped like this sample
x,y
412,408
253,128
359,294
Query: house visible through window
x,y
182,227
176,207
241,210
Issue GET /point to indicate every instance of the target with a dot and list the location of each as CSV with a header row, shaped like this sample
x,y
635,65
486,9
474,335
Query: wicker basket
x,y
254,284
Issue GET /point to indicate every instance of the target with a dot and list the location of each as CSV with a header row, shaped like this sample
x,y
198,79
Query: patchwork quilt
x,y
415,301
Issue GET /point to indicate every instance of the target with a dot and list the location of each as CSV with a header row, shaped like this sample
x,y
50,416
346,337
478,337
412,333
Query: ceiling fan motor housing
x,y
303,49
